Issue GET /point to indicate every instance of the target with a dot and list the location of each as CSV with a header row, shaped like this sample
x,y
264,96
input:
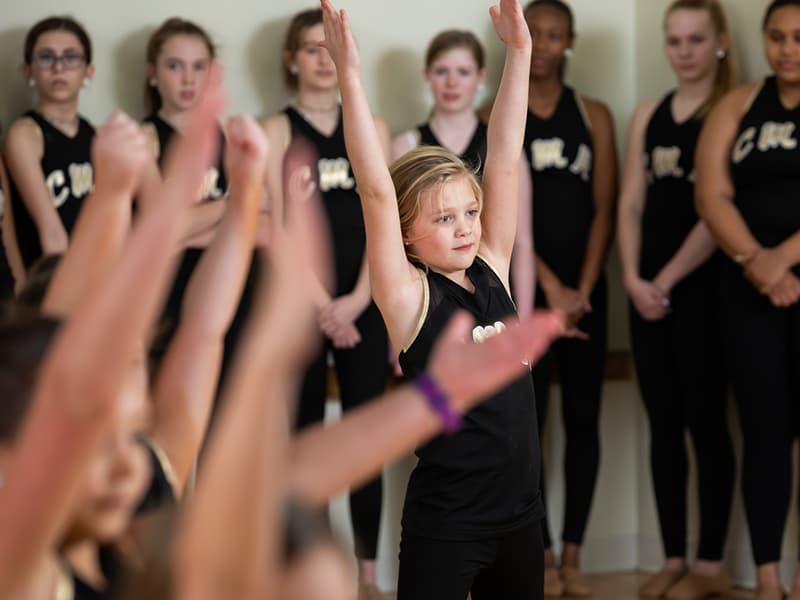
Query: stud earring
x,y
86,82
153,82
721,53
293,69
31,83
568,52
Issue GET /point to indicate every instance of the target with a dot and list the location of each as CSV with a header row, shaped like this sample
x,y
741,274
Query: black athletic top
x,y
765,167
669,212
339,196
560,153
483,481
67,167
474,156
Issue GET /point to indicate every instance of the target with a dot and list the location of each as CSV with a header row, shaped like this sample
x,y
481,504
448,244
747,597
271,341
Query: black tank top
x,y
669,212
215,183
67,167
560,155
483,480
765,167
339,196
474,156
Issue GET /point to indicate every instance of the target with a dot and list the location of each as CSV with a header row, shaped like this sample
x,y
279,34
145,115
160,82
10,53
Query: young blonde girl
x,y
438,241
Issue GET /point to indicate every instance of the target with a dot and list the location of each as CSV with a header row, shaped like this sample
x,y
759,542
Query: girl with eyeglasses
x,y
47,151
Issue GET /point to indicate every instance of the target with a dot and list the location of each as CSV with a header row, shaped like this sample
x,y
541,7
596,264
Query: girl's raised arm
x,y
392,277
187,379
504,137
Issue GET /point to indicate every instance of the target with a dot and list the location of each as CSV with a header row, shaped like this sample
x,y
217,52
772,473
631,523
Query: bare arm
x,y
395,283
23,153
71,411
604,193
523,262
9,236
504,137
325,460
189,373
646,297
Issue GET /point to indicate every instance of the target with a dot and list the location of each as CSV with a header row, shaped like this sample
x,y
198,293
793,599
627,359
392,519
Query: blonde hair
x,y
727,76
423,170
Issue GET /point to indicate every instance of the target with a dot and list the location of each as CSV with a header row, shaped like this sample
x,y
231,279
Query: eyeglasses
x,y
70,60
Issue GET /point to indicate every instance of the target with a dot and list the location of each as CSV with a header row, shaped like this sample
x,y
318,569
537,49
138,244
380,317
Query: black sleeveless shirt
x,y
669,211
560,154
483,481
765,167
474,156
67,167
337,185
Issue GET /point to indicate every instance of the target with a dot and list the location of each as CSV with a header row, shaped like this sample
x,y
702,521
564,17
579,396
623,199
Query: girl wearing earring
x,y
454,68
671,272
569,144
48,149
348,318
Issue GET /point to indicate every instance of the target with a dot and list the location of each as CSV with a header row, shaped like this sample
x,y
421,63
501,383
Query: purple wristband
x,y
439,402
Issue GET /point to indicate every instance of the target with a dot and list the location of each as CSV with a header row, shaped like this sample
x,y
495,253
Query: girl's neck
x,y
176,118
453,121
695,91
545,91
61,115
313,101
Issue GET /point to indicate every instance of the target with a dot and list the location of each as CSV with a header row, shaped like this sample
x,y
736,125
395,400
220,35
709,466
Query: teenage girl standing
x,y
671,271
454,68
569,143
48,149
353,327
747,189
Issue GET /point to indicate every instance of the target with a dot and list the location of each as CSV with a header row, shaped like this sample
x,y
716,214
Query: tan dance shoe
x,y
693,586
658,584
553,586
575,583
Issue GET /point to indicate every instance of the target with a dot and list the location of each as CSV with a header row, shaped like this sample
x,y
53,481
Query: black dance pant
x,y
763,350
510,567
362,373
681,372
580,366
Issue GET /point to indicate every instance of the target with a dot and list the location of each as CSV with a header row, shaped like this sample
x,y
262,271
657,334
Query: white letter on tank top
x,y
776,135
744,145
54,180
583,162
334,173
548,153
665,162
81,178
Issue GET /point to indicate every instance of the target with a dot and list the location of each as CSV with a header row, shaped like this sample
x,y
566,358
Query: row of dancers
x,y
699,318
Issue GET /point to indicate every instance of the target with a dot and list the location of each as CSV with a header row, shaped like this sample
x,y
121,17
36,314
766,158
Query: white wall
x,y
618,59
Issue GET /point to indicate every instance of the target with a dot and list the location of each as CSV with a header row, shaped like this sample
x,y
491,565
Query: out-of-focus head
x,y
552,27
454,68
782,39
305,63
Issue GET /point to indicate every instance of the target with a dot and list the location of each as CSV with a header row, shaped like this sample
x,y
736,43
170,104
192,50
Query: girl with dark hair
x,y
353,327
747,188
454,68
671,273
569,144
47,150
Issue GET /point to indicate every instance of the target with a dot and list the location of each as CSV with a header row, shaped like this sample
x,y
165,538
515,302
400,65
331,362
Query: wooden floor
x,y
624,586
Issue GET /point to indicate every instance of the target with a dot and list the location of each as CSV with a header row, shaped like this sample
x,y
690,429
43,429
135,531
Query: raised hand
x,y
245,151
509,23
120,152
339,39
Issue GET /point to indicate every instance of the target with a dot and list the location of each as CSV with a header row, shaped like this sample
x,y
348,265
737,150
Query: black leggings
x,y
763,349
681,373
362,373
580,366
506,568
